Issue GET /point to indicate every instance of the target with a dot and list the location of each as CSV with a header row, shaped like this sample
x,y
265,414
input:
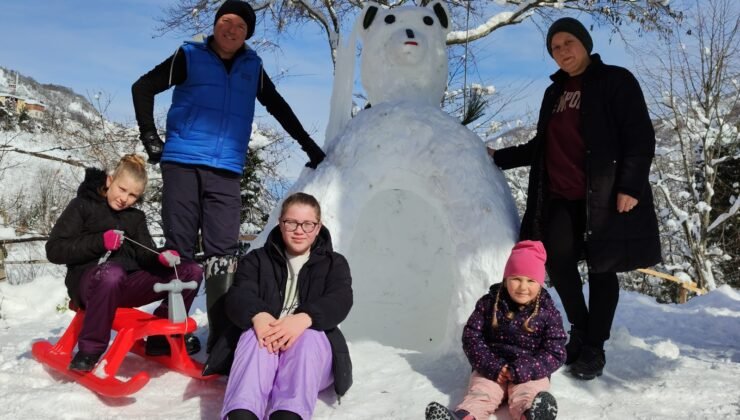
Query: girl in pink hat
x,y
514,341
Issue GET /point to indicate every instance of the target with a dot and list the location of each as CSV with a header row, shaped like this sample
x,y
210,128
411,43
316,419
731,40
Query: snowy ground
x,y
663,362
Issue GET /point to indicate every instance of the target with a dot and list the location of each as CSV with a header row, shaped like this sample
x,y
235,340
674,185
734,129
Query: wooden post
x,y
683,294
3,254
685,286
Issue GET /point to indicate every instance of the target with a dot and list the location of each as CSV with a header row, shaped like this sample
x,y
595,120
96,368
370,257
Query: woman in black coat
x,y
588,196
286,304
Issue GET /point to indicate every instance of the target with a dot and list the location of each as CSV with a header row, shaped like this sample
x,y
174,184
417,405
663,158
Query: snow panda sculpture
x,y
409,194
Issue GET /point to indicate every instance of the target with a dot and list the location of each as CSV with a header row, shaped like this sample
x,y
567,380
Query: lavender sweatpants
x,y
263,383
107,287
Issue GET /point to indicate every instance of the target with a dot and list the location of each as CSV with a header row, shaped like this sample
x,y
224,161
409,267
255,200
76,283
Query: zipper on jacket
x,y
587,230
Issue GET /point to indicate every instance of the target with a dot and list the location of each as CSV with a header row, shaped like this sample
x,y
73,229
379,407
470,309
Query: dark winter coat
x,y
77,237
530,356
620,144
324,293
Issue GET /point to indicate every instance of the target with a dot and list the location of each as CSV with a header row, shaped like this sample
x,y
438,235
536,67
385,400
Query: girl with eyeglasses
x,y
286,304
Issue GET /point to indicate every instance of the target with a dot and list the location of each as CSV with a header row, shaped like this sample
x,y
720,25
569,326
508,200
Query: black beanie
x,y
241,9
573,27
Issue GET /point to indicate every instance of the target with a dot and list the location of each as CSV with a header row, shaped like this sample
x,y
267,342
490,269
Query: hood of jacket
x,y
92,184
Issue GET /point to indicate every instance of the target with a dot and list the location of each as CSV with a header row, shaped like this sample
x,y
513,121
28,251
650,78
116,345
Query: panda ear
x,y
441,12
369,15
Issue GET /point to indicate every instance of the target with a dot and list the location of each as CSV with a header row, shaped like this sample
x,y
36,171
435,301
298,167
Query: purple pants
x,y
263,383
107,287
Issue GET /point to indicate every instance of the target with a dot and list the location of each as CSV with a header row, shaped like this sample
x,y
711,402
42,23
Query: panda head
x,y
404,55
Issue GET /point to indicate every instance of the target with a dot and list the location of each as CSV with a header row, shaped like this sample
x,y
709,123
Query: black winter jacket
x,y
324,293
77,237
620,144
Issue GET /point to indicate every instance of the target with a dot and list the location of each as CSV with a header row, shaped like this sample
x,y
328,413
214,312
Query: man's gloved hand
x,y
153,145
169,258
112,239
314,153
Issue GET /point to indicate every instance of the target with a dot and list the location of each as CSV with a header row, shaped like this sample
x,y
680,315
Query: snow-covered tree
x,y
694,78
475,19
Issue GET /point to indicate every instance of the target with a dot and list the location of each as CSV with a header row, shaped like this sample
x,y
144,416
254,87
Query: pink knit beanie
x,y
527,259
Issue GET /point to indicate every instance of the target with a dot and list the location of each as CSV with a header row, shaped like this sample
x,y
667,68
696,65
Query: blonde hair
x,y
510,314
134,165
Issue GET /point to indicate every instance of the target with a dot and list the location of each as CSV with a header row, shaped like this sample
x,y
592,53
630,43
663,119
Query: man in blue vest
x,y
208,129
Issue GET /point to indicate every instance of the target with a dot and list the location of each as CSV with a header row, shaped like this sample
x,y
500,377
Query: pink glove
x,y
112,239
169,258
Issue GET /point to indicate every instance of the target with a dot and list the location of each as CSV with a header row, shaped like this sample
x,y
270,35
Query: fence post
x,y
3,254
683,294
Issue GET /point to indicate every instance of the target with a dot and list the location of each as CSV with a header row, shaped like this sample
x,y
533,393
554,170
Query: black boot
x,y
590,363
240,414
436,411
157,345
84,362
284,415
219,274
544,407
575,343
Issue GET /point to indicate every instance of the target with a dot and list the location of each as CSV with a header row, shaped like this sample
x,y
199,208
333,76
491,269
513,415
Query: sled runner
x,y
132,326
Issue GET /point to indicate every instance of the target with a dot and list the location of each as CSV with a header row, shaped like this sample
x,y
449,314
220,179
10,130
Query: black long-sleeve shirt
x,y
173,71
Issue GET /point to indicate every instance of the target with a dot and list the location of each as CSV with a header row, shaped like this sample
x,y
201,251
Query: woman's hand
x,y
625,202
260,325
284,332
490,151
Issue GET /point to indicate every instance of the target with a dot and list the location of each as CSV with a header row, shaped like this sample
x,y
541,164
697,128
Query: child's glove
x,y
169,258
112,239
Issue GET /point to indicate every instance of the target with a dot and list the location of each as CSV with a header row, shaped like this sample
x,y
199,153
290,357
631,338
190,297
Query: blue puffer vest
x,y
210,120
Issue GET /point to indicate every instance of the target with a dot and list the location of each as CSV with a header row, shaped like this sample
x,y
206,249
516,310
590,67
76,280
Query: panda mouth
x,y
411,43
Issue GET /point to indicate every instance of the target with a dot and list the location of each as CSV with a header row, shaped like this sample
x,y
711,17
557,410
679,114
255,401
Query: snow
x,y
401,181
663,362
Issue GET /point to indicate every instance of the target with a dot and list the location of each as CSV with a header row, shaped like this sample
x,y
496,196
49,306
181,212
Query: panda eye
x,y
429,21
390,19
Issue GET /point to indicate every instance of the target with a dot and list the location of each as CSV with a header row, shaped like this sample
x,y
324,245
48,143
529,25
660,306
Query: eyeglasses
x,y
292,225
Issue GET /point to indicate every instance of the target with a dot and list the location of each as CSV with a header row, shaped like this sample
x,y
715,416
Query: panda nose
x,y
410,33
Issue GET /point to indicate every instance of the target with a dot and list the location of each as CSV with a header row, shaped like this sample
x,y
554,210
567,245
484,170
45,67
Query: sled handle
x,y
176,306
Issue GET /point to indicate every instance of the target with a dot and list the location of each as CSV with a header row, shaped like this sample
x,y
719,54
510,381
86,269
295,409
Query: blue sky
x,y
93,46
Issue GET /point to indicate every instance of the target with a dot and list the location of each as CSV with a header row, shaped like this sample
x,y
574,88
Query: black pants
x,y
200,198
565,246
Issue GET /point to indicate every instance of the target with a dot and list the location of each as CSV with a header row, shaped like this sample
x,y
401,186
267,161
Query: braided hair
x,y
510,314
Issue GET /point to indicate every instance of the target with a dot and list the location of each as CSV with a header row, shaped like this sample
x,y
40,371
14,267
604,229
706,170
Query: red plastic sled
x,y
132,326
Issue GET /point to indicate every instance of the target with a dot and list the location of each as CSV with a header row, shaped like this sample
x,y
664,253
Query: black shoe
x,y
544,407
590,363
575,343
436,411
84,362
157,345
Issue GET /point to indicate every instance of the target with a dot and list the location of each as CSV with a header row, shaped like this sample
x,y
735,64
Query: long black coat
x,y
324,293
620,145
77,237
